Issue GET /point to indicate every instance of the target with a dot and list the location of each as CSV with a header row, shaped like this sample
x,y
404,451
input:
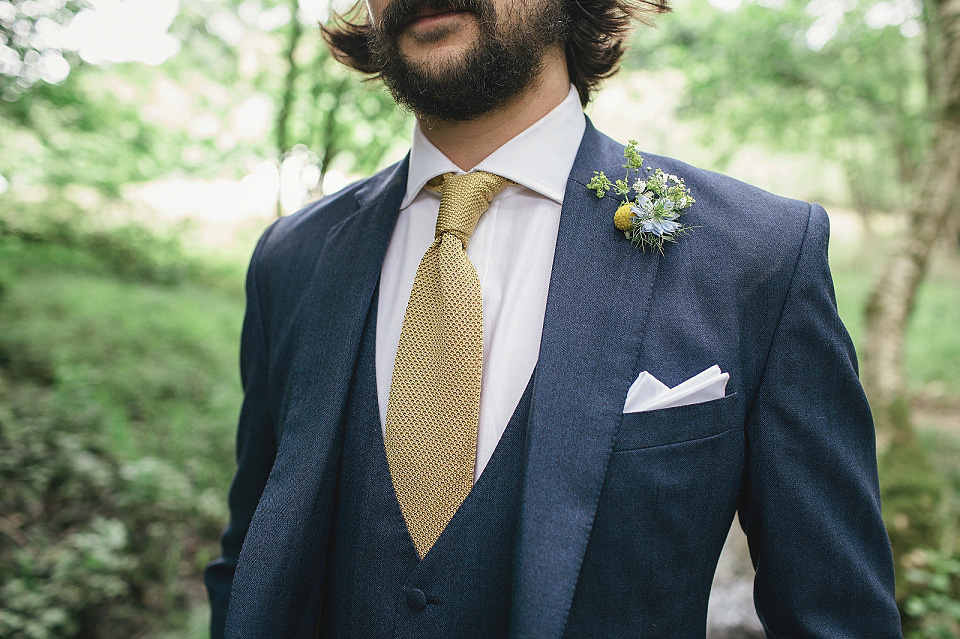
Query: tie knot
x,y
463,199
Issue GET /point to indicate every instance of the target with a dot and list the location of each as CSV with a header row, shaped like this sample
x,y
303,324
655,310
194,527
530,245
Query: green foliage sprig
x,y
651,217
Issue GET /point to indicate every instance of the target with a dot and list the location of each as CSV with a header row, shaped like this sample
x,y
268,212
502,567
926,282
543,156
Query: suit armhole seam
x,y
255,280
783,306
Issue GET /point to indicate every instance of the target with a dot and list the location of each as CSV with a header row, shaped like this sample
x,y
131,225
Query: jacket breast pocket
x,y
649,429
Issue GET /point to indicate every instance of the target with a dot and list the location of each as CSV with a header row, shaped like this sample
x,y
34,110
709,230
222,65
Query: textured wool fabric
x,y
621,517
434,405
376,586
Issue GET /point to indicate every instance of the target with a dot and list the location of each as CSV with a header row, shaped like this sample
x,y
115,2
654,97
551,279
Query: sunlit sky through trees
x,y
43,41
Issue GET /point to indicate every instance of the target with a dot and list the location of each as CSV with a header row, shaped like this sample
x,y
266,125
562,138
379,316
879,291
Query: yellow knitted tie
x,y
431,435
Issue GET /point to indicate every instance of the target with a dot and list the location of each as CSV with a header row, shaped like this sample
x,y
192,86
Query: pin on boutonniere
x,y
652,216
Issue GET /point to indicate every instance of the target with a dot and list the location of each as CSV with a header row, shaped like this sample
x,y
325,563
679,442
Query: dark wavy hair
x,y
594,43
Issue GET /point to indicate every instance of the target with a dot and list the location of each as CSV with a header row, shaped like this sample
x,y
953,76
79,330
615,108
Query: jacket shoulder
x,y
744,226
729,206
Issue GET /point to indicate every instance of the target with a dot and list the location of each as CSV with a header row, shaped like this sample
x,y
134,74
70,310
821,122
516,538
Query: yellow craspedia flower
x,y
621,219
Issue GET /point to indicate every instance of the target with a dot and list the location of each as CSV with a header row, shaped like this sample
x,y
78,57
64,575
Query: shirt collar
x,y
539,158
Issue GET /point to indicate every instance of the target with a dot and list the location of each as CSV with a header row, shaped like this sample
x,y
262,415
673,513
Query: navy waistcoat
x,y
376,587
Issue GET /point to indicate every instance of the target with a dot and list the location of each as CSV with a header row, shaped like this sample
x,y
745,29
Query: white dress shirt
x,y
512,250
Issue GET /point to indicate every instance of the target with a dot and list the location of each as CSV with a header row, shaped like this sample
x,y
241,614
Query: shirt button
x,y
416,598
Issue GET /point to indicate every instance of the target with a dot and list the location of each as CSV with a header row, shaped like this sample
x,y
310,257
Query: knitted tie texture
x,y
434,405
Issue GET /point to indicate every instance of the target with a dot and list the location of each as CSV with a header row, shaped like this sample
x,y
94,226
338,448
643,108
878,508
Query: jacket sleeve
x,y
810,503
256,449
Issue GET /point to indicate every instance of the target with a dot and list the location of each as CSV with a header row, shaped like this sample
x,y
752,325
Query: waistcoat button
x,y
416,598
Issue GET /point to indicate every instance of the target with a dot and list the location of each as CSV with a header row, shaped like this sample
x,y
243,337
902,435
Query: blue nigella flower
x,y
659,227
644,207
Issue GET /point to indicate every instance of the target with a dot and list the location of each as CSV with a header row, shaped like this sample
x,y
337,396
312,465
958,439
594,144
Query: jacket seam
x,y
783,306
682,441
255,281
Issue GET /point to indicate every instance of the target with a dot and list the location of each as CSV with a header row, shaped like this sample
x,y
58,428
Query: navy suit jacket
x,y
622,515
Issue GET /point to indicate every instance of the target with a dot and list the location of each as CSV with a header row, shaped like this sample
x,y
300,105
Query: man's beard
x,y
504,61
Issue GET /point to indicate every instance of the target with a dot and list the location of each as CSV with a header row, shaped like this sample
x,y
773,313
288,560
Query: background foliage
x,y
839,80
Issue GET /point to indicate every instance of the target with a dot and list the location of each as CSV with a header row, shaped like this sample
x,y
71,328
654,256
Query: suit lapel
x,y
599,293
280,591
341,291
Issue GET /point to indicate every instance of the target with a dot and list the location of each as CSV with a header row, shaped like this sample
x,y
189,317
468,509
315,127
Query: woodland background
x,y
144,145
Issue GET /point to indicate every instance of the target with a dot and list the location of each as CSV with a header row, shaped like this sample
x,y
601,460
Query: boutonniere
x,y
652,216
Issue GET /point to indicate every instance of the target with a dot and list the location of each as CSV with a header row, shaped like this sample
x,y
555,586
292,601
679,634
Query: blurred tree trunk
x,y
936,202
326,139
859,189
911,491
289,88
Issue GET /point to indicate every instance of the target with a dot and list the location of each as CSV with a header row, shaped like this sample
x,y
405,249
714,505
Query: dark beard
x,y
502,64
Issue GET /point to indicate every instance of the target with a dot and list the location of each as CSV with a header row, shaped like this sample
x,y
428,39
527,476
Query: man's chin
x,y
466,73
438,65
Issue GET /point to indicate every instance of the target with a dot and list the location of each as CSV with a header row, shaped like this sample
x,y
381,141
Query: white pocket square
x,y
649,393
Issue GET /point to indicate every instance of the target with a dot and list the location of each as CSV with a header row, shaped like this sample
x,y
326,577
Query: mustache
x,y
399,13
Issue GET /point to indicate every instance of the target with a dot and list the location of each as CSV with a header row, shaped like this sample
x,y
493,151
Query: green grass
x,y
146,369
154,367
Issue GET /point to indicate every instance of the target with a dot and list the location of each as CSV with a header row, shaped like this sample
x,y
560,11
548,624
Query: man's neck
x,y
468,143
